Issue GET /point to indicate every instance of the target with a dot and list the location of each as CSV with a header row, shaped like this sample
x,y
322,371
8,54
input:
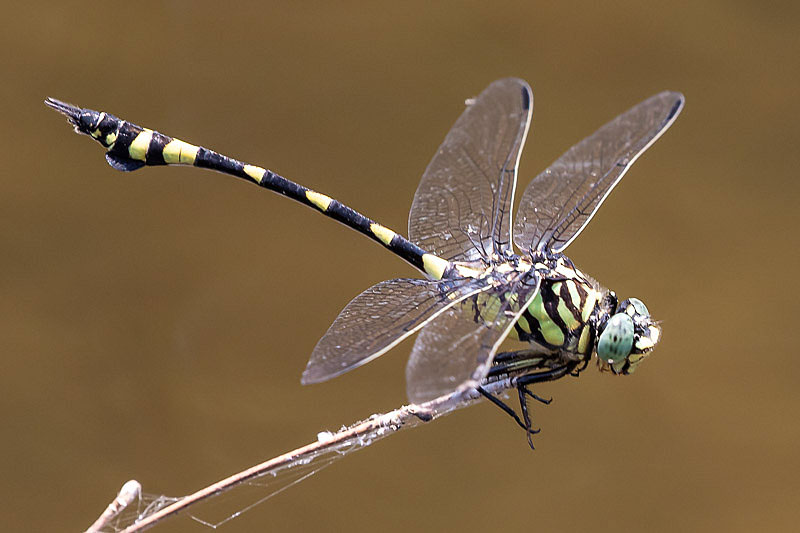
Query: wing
x,y
462,207
379,318
560,201
457,348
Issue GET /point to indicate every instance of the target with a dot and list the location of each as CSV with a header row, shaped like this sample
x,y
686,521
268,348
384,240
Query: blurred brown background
x,y
154,325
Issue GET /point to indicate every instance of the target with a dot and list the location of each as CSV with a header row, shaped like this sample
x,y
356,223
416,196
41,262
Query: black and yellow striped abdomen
x,y
131,147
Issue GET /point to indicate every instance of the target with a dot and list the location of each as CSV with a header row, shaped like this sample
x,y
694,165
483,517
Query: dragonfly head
x,y
627,337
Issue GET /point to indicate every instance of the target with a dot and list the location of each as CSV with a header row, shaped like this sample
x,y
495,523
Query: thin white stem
x,y
357,436
130,491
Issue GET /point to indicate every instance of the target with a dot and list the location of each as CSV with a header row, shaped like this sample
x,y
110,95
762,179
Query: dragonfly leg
x,y
524,389
520,360
521,383
523,406
577,371
508,410
547,375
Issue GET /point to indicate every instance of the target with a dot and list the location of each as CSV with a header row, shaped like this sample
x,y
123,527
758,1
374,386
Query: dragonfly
x,y
487,280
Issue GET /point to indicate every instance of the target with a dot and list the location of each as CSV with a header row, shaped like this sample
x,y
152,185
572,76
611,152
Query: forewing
x,y
560,201
379,318
462,207
458,346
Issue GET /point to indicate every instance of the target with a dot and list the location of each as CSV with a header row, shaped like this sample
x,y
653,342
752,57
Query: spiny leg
x,y
523,406
509,362
518,361
522,384
524,389
577,371
547,375
525,422
508,410
506,363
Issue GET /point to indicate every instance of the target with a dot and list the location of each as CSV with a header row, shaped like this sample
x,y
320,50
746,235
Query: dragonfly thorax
x,y
562,315
573,315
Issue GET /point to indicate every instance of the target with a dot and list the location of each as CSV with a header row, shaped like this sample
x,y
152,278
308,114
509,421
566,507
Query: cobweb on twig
x,y
132,510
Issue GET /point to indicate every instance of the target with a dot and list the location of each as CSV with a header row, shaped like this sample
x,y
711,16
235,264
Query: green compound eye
x,y
616,341
634,306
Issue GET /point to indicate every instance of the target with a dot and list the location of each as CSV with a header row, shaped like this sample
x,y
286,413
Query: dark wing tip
x,y
677,106
526,97
520,85
675,100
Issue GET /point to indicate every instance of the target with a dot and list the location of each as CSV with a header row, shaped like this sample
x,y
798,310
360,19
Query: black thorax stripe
x,y
567,298
551,300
